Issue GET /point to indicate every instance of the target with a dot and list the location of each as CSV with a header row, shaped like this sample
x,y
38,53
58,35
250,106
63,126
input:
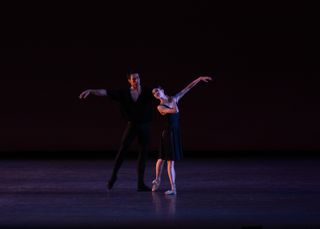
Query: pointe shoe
x,y
171,192
155,184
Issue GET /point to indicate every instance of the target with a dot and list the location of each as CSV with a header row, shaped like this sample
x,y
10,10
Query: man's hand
x,y
97,92
85,94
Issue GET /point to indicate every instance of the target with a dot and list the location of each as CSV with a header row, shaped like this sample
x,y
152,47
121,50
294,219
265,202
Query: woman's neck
x,y
164,99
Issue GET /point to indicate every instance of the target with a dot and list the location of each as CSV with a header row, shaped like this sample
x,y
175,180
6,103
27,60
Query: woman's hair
x,y
156,87
170,98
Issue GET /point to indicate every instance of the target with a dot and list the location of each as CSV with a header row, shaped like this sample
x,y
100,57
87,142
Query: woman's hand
x,y
205,78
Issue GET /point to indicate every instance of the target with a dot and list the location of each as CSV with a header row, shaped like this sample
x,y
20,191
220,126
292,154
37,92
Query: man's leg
x,y
144,142
127,138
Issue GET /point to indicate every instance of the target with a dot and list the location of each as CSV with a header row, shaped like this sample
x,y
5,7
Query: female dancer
x,y
171,149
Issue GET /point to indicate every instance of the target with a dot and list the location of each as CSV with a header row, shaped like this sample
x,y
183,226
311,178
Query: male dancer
x,y
136,104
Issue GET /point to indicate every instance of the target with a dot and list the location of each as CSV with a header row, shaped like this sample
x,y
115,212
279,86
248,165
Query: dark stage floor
x,y
222,192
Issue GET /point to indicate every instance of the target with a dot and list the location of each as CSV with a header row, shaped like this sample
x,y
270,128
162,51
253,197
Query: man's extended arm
x,y
97,92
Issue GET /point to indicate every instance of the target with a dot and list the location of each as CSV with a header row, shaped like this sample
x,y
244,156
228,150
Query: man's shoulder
x,y
120,90
118,93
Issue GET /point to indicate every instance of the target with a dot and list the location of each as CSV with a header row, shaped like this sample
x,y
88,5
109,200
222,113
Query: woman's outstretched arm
x,y
179,95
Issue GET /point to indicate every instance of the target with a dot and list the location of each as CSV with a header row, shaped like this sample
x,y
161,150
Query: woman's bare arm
x,y
179,95
166,110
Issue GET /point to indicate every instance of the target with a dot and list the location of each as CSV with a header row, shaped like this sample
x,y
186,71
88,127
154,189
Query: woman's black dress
x,y
171,147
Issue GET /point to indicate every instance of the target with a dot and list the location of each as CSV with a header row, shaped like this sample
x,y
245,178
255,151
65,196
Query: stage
x,y
234,192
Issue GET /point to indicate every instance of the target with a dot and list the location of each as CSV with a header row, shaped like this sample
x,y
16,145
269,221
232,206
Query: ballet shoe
x,y
155,184
171,192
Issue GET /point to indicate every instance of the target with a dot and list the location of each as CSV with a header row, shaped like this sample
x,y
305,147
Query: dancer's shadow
x,y
165,205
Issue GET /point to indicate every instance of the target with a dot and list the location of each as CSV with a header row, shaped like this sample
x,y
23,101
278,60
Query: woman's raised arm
x,y
179,95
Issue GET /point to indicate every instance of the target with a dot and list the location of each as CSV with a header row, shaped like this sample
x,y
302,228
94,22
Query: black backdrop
x,y
264,58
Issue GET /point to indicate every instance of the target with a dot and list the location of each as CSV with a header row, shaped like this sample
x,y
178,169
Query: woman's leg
x,y
159,167
172,178
156,182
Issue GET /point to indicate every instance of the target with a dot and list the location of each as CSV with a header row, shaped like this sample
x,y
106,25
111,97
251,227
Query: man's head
x,y
134,79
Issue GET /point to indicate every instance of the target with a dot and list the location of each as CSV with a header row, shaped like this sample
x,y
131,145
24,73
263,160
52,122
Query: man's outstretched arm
x,y
97,92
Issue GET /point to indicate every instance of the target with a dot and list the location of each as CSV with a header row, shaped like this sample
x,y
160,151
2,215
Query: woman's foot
x,y
155,184
171,192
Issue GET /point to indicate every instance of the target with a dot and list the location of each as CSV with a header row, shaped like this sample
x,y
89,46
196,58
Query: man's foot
x,y
111,182
143,188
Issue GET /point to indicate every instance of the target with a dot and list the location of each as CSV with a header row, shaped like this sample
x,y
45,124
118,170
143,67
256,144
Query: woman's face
x,y
157,93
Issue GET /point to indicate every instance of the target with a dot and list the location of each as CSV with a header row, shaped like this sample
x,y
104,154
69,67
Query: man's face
x,y
134,80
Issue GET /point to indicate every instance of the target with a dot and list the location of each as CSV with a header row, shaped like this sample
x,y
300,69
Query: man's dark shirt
x,y
139,111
